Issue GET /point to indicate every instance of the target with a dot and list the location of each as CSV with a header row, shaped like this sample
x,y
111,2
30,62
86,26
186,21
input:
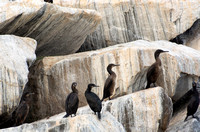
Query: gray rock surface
x,y
177,123
143,111
128,20
58,30
147,110
16,55
54,75
80,123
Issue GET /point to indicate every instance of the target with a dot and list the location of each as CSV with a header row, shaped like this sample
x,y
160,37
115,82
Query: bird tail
x,y
148,85
99,115
186,118
65,116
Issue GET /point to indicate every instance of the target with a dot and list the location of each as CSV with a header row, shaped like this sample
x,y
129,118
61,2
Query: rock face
x,y
147,110
79,123
177,123
128,20
58,30
54,75
17,54
190,37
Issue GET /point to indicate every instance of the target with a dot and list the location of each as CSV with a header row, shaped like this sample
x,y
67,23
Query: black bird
x,y
154,70
50,1
110,83
194,102
21,112
72,101
93,100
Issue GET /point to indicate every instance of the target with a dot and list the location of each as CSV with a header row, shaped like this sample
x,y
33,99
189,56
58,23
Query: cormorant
x,y
50,1
110,83
194,102
72,101
154,70
93,100
21,112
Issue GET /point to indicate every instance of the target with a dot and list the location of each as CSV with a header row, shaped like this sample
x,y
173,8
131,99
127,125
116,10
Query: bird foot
x,y
196,118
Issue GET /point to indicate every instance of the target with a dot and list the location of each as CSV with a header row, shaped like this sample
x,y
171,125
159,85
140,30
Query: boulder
x,y
52,77
58,30
79,123
177,123
128,20
146,110
16,55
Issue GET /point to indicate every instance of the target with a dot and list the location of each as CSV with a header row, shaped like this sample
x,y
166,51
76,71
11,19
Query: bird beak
x,y
117,65
96,86
164,51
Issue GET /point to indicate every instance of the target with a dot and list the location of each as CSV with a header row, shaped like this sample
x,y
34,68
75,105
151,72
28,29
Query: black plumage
x,y
21,112
109,83
194,102
72,101
93,100
50,1
155,69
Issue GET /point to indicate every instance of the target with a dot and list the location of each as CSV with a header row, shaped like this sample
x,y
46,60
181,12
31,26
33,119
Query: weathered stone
x,y
144,111
79,123
190,37
177,123
16,55
58,30
128,20
54,75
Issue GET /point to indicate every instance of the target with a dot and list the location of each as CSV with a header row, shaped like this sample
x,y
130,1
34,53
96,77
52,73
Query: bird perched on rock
x,y
93,100
110,83
194,102
155,69
50,1
21,112
72,101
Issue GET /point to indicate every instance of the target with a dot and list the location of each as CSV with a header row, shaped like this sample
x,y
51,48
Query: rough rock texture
x,y
143,111
58,30
177,123
80,123
54,75
16,55
147,110
128,20
190,37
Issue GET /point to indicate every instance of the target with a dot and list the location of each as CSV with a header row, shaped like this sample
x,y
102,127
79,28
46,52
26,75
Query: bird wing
x,y
72,100
193,105
94,102
151,71
21,113
108,83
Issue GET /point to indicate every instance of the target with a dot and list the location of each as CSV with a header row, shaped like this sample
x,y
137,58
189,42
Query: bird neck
x,y
109,69
158,61
74,90
88,89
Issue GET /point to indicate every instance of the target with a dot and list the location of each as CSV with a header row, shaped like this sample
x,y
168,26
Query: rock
x,y
177,123
190,37
128,20
146,110
54,75
17,54
79,123
58,30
